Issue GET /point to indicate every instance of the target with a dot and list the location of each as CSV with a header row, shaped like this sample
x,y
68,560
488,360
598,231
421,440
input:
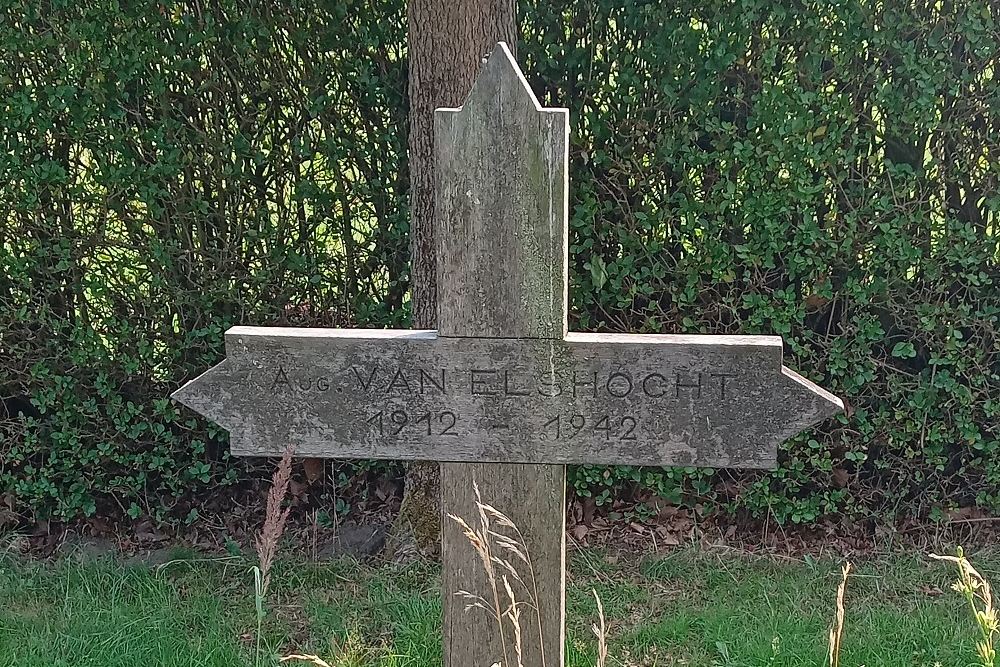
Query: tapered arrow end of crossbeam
x,y
807,402
209,393
827,405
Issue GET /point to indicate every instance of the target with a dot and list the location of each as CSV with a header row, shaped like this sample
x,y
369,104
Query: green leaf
x,y
598,272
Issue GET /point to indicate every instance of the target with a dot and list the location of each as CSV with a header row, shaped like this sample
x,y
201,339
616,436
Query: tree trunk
x,y
448,40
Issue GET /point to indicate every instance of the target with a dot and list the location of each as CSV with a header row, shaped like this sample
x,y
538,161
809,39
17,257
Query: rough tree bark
x,y
448,40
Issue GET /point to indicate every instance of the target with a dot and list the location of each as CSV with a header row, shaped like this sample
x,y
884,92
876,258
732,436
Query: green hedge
x,y
827,171
168,174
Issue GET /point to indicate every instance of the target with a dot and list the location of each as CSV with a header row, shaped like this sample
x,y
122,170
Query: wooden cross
x,y
501,394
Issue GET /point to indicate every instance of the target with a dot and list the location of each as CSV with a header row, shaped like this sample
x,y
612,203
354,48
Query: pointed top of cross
x,y
499,76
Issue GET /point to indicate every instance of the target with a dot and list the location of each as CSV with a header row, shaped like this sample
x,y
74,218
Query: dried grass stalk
x,y
601,632
500,545
837,631
275,518
314,659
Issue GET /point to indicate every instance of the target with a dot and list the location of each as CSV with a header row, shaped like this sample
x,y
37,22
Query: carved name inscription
x,y
399,381
616,399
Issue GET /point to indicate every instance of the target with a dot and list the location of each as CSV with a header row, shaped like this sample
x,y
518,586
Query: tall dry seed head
x,y
977,592
502,549
275,518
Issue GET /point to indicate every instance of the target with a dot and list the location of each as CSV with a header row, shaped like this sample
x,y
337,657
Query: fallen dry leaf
x,y
314,469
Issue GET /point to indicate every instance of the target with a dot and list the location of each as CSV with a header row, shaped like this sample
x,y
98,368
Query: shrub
x,y
823,171
168,173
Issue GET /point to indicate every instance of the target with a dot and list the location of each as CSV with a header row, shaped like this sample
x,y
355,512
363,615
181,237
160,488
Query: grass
x,y
690,607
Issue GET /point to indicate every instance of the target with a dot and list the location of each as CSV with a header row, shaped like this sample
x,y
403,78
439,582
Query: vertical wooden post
x,y
501,200
446,42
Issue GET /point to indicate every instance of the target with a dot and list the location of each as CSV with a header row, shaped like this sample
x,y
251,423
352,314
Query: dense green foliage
x,y
825,171
168,174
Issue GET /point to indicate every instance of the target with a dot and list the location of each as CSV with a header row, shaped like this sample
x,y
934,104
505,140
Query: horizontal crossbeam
x,y
591,398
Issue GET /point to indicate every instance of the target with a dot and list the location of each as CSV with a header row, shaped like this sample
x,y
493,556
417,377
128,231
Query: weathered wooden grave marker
x,y
501,393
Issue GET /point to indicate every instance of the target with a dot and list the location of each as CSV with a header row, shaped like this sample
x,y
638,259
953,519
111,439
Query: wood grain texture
x,y
534,497
718,401
501,205
501,209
